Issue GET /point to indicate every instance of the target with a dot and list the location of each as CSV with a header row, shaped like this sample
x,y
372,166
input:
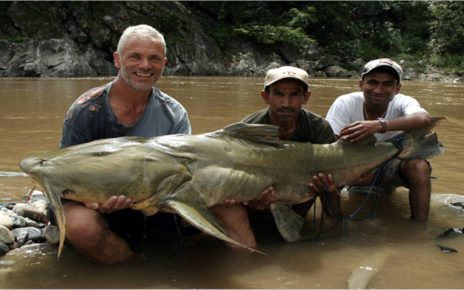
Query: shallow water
x,y
31,114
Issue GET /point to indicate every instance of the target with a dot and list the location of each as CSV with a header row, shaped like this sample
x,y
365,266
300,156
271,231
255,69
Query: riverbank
x,y
77,39
64,58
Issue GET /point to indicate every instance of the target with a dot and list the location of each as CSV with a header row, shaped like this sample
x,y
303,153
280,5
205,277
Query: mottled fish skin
x,y
190,173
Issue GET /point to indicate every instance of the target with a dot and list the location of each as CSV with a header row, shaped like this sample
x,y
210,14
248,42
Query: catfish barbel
x,y
187,174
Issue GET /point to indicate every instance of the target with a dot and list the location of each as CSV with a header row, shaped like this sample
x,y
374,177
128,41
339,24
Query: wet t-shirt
x,y
90,118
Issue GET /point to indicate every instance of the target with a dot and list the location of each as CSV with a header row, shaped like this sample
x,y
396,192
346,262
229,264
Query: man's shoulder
x,y
311,117
167,100
90,95
313,120
90,101
351,97
313,128
406,104
164,98
348,102
259,117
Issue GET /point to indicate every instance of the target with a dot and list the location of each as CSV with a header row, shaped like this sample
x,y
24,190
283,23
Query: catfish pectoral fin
x,y
57,207
198,214
148,211
288,222
147,206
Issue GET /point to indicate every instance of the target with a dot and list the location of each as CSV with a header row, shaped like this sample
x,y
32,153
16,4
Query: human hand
x,y
360,130
366,178
322,183
229,202
326,188
112,204
264,199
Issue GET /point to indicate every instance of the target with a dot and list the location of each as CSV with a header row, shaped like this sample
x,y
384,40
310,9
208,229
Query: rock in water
x,y
6,236
52,234
36,210
22,235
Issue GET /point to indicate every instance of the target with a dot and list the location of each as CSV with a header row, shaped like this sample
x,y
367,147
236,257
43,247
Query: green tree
x,y
371,29
447,27
271,24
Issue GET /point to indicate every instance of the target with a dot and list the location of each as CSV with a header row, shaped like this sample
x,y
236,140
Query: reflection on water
x,y
31,115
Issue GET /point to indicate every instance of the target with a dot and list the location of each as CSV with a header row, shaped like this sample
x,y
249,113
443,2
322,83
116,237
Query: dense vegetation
x,y
430,31
422,32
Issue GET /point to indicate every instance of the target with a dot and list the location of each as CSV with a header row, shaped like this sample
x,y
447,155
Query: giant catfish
x,y
188,174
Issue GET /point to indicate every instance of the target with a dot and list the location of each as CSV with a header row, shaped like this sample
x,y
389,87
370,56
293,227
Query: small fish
x,y
457,205
451,232
445,249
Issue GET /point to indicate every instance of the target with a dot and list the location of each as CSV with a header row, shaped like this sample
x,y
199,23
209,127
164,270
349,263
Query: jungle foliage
x,y
420,30
428,31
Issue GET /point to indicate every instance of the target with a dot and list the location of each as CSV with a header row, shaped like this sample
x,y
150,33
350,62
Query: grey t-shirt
x,y
90,118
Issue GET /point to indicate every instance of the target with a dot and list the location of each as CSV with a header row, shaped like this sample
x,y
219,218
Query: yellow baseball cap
x,y
286,72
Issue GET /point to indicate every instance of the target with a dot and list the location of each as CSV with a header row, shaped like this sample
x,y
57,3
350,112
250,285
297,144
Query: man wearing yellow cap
x,y
285,91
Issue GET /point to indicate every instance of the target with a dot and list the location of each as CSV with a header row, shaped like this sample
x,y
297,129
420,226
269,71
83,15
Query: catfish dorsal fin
x,y
259,133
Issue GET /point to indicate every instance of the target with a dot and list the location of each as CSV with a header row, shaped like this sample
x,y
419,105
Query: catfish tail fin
x,y
421,144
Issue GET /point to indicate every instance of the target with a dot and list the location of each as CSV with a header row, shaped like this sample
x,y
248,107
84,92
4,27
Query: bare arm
x,y
361,129
410,122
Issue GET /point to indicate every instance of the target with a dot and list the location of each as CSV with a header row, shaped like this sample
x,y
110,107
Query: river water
x,y
400,253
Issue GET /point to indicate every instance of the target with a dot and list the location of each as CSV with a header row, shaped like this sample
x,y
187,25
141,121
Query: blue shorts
x,y
387,176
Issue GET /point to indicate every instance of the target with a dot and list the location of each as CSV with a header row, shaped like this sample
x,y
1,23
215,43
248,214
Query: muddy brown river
x,y
392,251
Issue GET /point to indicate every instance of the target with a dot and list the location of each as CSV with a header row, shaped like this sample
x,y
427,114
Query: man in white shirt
x,y
380,110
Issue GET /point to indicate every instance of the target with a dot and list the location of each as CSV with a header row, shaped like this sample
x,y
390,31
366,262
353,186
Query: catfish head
x,y
90,172
95,171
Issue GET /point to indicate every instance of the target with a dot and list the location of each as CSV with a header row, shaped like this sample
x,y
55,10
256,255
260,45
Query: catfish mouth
x,y
30,164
